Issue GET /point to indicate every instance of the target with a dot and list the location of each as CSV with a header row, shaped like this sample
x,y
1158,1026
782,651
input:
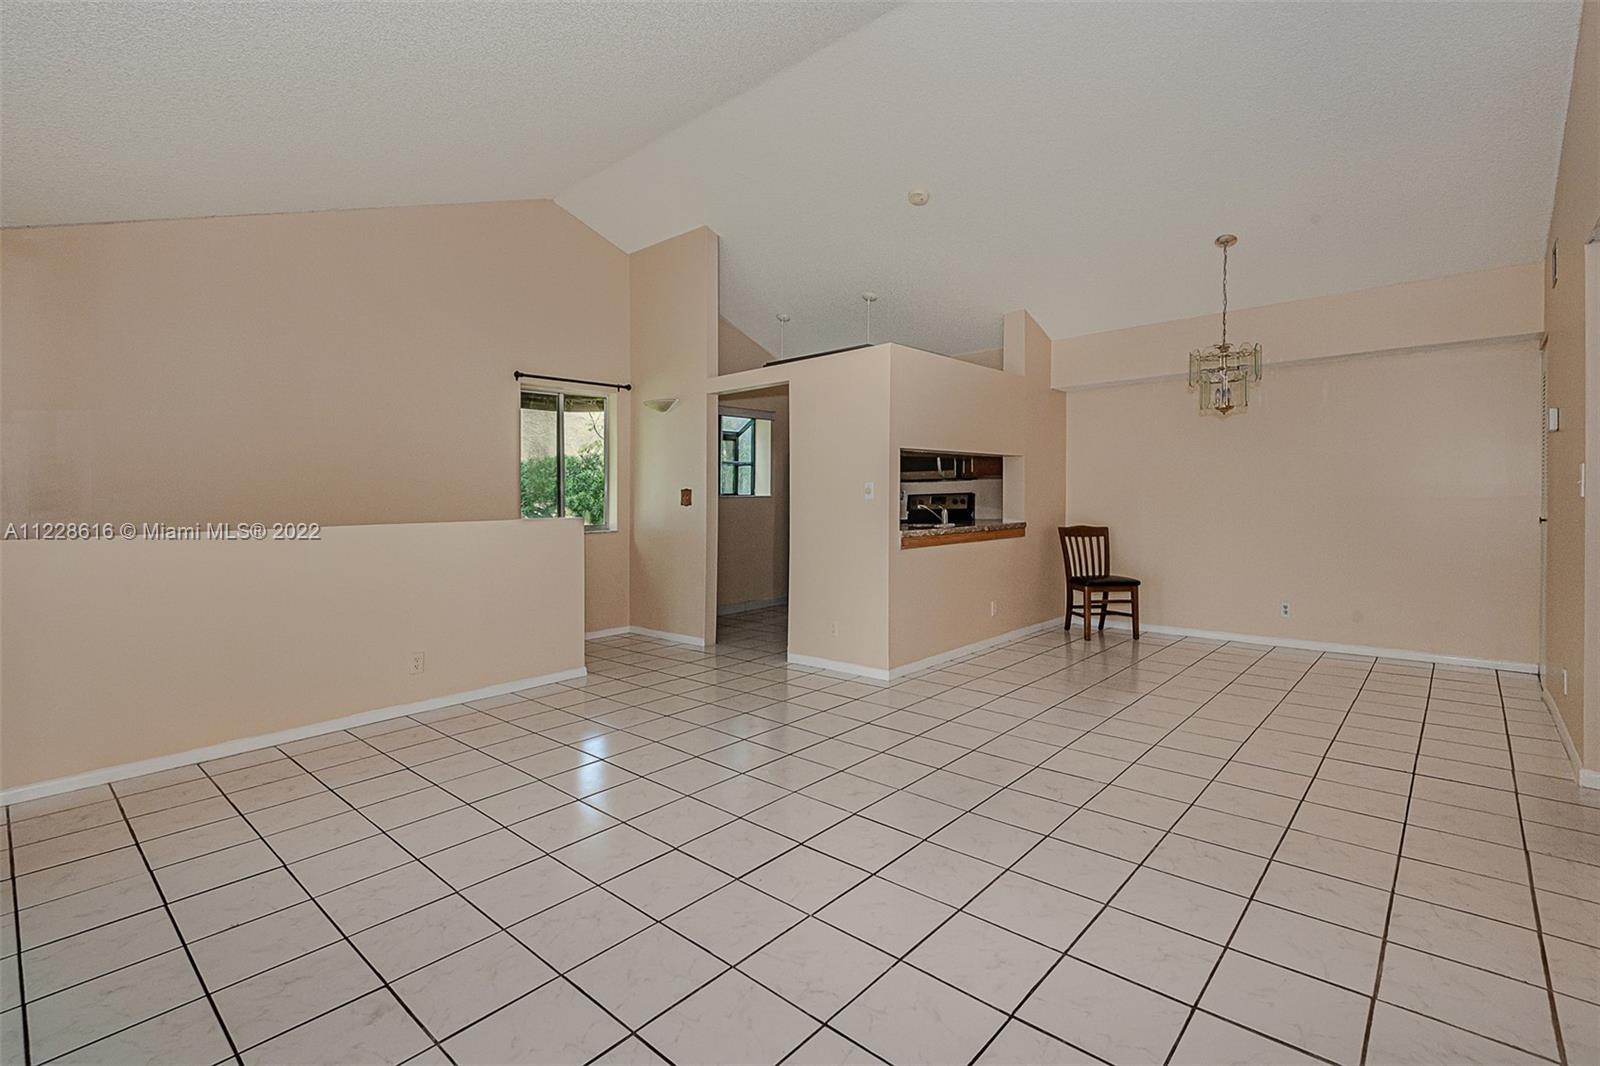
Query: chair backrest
x,y
1086,550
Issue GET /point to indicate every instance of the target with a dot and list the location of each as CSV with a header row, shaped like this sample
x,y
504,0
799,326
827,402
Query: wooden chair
x,y
1086,551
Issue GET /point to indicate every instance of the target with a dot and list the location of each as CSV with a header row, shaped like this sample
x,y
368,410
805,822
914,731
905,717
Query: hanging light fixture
x,y
869,298
1223,372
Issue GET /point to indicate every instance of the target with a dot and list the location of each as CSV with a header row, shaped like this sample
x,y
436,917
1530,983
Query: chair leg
x,y
1136,613
1088,610
1105,602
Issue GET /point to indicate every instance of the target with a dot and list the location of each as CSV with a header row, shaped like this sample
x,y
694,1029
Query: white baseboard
x,y
1339,649
895,673
234,747
641,631
745,606
1584,778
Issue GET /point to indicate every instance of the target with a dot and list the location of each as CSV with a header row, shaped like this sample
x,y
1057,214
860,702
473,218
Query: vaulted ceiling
x,y
135,109
1079,157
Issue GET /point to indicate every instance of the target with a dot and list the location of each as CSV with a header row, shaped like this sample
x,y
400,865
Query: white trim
x,y
267,740
895,673
641,631
1585,778
746,606
1340,649
875,673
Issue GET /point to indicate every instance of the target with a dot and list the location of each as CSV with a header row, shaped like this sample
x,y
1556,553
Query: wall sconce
x,y
663,405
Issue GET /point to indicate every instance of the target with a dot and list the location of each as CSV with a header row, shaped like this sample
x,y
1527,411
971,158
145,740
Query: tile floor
x,y
1053,852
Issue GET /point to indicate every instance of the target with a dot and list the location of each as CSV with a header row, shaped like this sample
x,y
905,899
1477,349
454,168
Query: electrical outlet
x,y
419,662
994,608
833,629
1283,608
869,490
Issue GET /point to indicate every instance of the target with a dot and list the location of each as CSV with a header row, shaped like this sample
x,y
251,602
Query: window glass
x,y
583,449
541,496
565,457
743,460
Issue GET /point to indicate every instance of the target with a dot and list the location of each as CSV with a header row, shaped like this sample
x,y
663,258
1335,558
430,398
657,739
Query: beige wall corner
x,y
124,650
840,541
736,351
1391,500
951,596
1484,305
673,316
1572,355
341,367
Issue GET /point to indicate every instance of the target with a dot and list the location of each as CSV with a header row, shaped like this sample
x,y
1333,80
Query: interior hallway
x,y
711,856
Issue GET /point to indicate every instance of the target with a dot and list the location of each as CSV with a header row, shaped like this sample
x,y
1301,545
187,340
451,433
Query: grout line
x,y
1394,883
758,671
337,928
184,943
16,928
1533,889
1311,780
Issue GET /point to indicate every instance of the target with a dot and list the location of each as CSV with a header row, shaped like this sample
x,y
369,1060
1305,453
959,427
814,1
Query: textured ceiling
x,y
1081,157
148,109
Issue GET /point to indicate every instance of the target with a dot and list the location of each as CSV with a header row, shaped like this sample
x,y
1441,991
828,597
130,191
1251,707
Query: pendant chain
x,y
1224,295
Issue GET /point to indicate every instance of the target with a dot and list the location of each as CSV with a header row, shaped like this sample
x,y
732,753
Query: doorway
x,y
753,503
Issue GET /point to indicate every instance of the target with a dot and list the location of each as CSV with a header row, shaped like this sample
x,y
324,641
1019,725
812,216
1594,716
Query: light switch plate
x,y
1552,419
869,491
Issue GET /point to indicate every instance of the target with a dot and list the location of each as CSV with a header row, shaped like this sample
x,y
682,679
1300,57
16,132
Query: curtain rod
x,y
519,375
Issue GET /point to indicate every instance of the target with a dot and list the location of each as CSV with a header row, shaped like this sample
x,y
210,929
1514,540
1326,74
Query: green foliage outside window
x,y
586,486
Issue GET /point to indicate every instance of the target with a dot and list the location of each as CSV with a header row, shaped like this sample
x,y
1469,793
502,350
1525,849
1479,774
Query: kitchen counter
x,y
929,536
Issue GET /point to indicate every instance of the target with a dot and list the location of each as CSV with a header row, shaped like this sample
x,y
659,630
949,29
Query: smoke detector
x,y
917,197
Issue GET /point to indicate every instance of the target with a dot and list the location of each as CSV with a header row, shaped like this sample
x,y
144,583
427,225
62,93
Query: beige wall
x,y
343,367
940,597
1448,310
736,351
673,294
855,597
1391,499
840,542
125,650
1572,622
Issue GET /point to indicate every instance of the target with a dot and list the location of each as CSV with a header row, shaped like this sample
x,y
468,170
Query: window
x,y
746,455
565,457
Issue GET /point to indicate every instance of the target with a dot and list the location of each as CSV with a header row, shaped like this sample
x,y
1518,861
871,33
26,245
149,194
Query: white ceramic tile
x,y
734,921
907,1016
646,974
555,1024
817,967
457,990
1103,1014
984,960
732,1020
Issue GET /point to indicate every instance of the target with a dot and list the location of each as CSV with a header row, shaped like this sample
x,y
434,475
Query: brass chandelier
x,y
1223,372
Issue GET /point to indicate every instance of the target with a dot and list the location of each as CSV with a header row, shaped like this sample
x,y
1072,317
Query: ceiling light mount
x,y
918,197
869,298
1224,371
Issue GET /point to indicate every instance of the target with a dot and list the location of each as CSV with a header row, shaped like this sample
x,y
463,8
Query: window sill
x,y
599,529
